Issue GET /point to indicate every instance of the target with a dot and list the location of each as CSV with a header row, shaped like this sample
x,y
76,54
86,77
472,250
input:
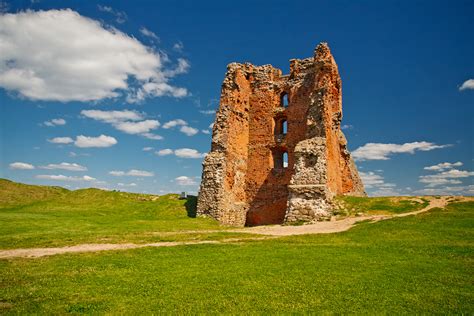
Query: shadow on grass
x,y
191,205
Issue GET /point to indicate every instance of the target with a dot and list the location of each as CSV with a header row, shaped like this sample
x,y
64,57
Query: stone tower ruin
x,y
278,153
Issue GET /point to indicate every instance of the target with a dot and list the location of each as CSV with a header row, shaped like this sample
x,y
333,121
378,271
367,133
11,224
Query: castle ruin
x,y
278,153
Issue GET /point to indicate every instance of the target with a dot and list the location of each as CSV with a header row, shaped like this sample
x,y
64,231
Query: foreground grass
x,y
416,264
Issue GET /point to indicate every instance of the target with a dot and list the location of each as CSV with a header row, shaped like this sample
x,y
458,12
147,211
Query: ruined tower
x,y
278,153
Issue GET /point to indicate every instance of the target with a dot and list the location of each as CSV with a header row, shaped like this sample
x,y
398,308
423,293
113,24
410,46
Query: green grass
x,y
47,217
351,205
416,265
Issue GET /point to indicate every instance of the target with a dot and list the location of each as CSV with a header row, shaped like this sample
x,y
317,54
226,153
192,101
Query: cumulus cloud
x,y
80,62
100,141
451,176
132,173
376,185
147,148
21,166
127,121
188,153
467,85
181,153
61,140
55,122
64,166
185,181
164,152
137,127
146,32
347,126
206,131
184,127
380,151
113,117
173,123
444,166
61,177
188,130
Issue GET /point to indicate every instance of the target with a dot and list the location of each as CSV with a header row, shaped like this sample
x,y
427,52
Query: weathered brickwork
x,y
263,118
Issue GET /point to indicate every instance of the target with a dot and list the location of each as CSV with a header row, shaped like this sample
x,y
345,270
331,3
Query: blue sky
x,y
121,94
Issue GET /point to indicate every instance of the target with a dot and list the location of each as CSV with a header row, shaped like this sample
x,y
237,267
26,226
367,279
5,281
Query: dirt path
x,y
332,226
269,232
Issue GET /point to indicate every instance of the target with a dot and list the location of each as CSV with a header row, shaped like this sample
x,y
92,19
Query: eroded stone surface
x,y
245,179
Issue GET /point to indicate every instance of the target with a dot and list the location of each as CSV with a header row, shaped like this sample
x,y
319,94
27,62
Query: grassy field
x,y
415,264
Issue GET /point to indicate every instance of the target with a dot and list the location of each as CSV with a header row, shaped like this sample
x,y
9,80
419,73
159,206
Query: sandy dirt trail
x,y
269,232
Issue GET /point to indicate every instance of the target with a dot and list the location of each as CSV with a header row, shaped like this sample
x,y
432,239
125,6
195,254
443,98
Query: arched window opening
x,y
284,100
280,159
281,127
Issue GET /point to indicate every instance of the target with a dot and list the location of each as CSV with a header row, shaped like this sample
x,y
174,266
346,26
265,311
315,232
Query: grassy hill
x,y
41,216
15,194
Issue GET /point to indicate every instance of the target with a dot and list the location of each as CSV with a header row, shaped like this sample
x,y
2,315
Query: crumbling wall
x,y
244,179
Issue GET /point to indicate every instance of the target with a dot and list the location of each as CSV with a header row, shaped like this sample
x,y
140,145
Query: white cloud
x,y
188,153
188,130
376,185
449,190
207,112
21,166
146,32
61,177
185,128
173,123
467,85
64,166
152,136
211,125
130,122
80,62
444,166
61,140
347,126
55,122
185,181
100,141
113,117
164,152
120,16
132,173
181,153
205,131
451,176
137,127
147,148
182,68
379,151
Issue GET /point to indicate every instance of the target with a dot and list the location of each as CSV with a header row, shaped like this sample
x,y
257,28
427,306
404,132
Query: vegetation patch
x,y
352,205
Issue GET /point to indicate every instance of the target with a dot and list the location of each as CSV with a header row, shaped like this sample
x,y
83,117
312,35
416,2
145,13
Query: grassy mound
x,y
37,216
351,205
